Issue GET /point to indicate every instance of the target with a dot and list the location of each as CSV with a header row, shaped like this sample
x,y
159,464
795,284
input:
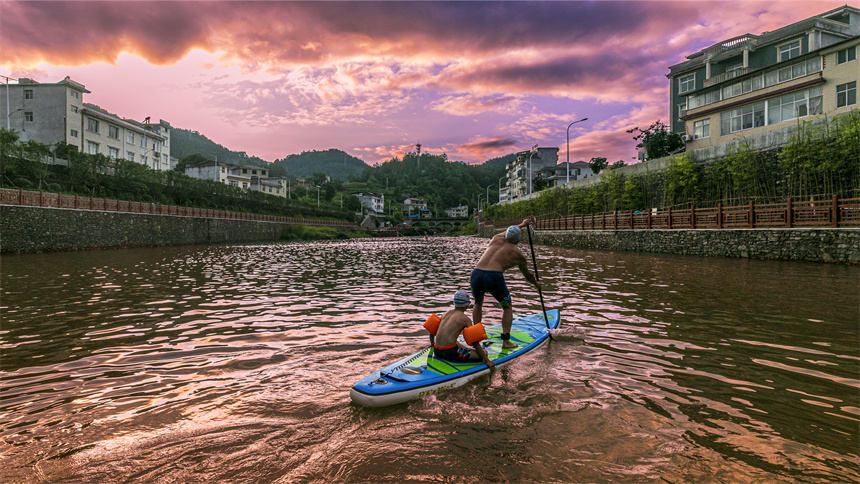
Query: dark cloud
x,y
492,144
164,32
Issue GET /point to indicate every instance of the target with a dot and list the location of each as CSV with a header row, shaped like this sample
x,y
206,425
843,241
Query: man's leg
x,y
507,321
477,311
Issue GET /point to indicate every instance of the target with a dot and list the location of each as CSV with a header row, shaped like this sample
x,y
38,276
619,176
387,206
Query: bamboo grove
x,y
818,162
26,165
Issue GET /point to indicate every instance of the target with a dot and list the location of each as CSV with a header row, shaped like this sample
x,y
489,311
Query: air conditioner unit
x,y
687,137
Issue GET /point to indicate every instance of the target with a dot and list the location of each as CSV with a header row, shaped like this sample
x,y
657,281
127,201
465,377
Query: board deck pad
x,y
422,374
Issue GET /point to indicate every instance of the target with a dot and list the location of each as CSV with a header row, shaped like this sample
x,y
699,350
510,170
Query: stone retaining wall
x,y
813,245
35,229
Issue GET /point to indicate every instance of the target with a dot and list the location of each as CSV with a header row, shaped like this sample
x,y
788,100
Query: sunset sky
x,y
475,80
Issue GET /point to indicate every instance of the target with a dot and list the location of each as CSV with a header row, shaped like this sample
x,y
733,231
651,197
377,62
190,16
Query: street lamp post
x,y
532,153
8,125
568,146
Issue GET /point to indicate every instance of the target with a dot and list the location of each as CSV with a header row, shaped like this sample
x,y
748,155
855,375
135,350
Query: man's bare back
x,y
501,255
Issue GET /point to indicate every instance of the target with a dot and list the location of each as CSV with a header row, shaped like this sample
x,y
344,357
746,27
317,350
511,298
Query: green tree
x,y
657,141
597,164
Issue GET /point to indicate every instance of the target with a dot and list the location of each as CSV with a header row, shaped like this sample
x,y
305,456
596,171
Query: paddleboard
x,y
422,374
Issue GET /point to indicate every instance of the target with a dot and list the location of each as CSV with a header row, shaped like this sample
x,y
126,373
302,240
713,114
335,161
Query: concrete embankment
x,y
36,229
837,245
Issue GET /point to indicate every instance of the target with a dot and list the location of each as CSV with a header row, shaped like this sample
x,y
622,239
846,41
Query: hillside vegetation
x,y
334,163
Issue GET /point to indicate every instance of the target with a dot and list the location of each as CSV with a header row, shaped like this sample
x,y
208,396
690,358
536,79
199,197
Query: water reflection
x,y
233,364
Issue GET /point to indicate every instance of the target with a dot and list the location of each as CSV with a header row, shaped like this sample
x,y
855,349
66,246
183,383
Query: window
x,y
93,125
144,160
129,137
846,55
28,94
687,83
846,94
795,105
76,94
143,142
113,132
155,146
129,156
682,110
113,152
92,148
702,129
745,117
789,51
28,116
74,133
74,109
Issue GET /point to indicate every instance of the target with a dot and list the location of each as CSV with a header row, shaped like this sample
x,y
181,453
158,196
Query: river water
x,y
233,364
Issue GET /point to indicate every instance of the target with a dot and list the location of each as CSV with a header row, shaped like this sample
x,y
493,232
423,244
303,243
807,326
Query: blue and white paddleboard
x,y
421,374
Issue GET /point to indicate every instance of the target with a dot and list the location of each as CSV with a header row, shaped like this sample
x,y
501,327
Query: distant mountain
x,y
500,162
334,163
185,142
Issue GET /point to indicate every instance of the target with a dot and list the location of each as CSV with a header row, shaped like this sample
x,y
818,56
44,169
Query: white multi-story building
x,y
56,113
461,211
522,171
563,172
373,202
414,205
247,177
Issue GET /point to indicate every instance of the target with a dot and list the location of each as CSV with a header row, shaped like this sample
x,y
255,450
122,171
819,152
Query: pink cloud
x,y
473,78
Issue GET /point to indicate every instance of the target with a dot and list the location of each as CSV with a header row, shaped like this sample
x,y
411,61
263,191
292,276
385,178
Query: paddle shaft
x,y
534,262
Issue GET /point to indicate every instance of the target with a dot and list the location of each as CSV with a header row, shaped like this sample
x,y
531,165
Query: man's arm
x,y
530,220
524,268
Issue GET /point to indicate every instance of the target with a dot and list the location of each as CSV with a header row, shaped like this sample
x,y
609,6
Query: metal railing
x,y
836,212
58,200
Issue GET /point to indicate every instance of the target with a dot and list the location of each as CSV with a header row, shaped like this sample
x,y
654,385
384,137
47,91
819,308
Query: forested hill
x,y
334,163
442,183
185,142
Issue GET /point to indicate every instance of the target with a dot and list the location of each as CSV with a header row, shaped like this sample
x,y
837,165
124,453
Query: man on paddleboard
x,y
454,321
488,275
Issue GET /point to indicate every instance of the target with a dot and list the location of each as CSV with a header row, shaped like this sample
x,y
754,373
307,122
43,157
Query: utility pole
x,y
8,114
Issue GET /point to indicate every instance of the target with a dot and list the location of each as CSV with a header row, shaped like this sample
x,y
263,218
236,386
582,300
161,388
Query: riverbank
x,y
37,229
839,245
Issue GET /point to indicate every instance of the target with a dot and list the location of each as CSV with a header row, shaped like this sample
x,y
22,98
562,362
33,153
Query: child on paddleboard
x,y
451,324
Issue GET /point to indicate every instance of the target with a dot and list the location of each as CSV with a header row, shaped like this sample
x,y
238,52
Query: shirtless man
x,y
454,321
488,275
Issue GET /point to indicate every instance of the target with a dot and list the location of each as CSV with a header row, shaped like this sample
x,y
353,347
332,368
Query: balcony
x,y
726,76
739,42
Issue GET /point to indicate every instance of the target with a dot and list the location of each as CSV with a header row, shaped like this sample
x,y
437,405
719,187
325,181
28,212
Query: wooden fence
x,y
58,200
836,212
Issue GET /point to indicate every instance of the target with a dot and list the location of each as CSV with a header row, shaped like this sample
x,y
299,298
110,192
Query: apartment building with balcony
x,y
521,172
414,205
373,202
563,172
754,84
56,112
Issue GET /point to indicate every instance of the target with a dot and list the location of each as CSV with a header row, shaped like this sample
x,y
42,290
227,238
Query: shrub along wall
x,y
35,229
813,245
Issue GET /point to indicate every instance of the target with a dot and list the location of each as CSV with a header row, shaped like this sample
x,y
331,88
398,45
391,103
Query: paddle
x,y
540,293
